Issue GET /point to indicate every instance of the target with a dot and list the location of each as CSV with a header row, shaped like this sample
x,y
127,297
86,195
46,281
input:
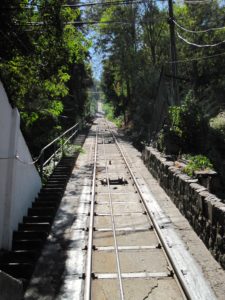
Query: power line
x,y
108,3
198,31
88,22
195,59
198,45
197,1
88,4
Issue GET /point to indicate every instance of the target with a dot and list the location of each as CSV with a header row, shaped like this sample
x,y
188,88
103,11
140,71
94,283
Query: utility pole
x,y
173,54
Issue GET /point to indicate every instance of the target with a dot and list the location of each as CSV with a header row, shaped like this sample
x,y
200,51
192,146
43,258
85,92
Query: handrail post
x,y
41,164
80,125
62,148
54,157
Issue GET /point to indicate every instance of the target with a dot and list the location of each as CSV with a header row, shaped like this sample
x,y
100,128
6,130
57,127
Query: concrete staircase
x,y
30,237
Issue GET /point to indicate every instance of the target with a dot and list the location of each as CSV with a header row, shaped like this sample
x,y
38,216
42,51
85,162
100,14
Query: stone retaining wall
x,y
204,211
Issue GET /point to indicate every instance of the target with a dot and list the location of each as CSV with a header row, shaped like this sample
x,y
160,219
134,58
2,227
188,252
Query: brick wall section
x,y
204,211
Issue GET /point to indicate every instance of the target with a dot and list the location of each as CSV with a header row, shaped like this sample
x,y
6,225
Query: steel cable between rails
x,y
113,225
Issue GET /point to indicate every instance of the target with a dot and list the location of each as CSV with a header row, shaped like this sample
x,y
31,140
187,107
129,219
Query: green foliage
x,y
109,111
110,114
43,70
71,149
218,124
187,123
197,163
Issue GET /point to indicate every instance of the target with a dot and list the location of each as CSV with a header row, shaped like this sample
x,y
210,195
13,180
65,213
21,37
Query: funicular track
x,y
127,257
125,252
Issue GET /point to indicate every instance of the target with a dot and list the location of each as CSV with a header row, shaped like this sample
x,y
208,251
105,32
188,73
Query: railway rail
x,y
128,254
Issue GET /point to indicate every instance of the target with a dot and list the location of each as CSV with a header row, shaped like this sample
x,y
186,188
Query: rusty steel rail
x,y
88,274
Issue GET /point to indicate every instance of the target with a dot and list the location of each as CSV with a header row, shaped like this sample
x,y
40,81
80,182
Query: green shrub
x,y
109,111
188,124
218,123
110,114
197,163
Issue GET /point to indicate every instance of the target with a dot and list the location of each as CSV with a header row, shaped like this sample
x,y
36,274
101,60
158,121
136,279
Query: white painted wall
x,y
19,182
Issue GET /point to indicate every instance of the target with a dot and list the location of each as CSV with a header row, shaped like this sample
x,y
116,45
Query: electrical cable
x,y
197,1
107,3
195,59
198,45
158,20
78,5
198,31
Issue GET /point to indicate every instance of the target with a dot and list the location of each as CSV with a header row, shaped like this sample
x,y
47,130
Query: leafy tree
x,y
46,82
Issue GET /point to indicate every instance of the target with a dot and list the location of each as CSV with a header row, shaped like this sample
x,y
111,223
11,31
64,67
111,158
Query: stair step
x,y
31,235
63,168
41,211
38,219
20,256
18,270
49,197
55,184
47,193
62,172
53,200
52,190
59,179
45,204
34,227
27,244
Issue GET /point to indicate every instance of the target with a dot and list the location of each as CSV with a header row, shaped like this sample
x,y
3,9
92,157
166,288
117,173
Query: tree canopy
x,y
44,65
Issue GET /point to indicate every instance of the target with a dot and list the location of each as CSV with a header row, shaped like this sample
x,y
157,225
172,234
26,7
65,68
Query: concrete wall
x,y
19,182
204,211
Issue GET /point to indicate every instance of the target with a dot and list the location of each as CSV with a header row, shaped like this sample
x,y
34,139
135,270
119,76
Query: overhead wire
x,y
197,1
198,45
195,59
87,4
198,31
88,22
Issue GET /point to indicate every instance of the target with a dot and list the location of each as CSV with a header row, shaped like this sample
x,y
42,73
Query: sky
x,y
96,59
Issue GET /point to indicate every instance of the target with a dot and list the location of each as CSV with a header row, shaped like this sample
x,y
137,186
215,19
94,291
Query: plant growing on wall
x,y
197,163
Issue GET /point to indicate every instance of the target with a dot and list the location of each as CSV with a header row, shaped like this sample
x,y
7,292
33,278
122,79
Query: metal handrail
x,y
43,162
